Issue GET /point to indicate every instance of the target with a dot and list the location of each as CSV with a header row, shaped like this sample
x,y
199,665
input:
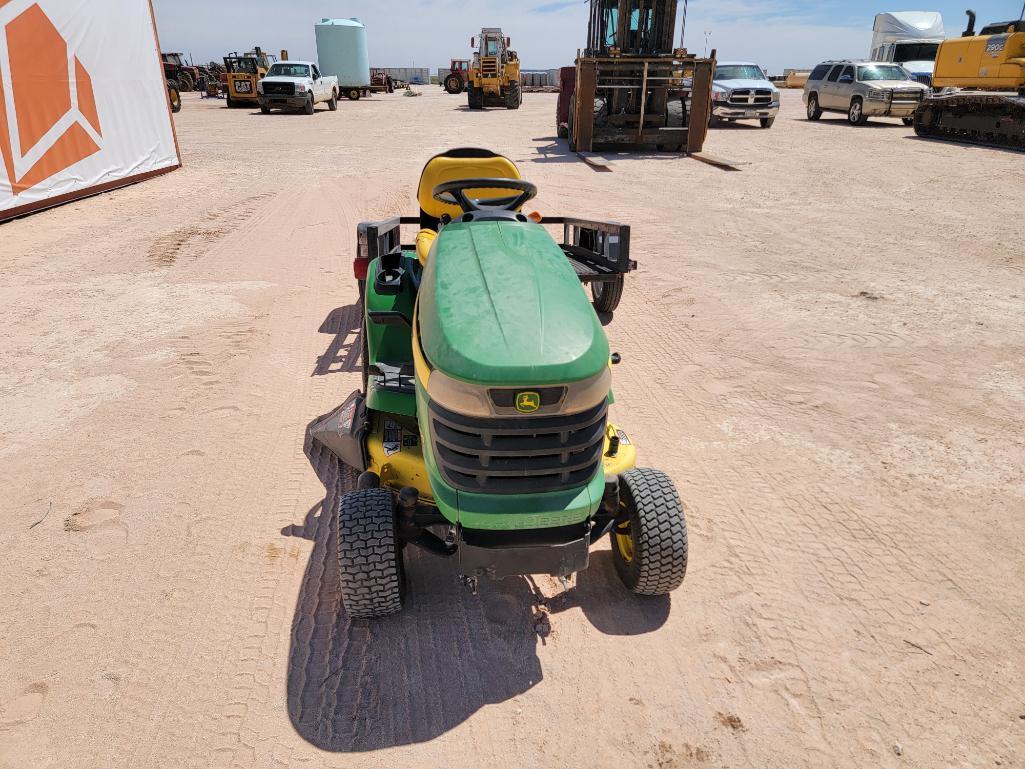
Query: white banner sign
x,y
83,100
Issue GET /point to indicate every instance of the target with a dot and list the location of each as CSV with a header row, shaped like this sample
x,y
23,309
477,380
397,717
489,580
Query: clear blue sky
x,y
546,33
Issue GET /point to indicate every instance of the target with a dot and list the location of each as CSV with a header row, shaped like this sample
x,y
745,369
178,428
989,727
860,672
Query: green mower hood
x,y
501,305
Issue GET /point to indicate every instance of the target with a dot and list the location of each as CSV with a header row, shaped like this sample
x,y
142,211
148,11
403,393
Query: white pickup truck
x,y
296,85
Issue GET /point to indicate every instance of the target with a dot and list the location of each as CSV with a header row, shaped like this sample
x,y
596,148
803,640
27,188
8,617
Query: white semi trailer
x,y
908,38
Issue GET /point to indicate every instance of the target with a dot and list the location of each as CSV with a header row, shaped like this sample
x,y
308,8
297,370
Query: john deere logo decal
x,y
528,402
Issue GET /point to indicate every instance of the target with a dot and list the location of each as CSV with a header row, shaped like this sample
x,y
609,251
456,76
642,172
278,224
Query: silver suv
x,y
863,89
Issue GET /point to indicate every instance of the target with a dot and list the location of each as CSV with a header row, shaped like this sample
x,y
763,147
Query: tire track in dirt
x,y
839,549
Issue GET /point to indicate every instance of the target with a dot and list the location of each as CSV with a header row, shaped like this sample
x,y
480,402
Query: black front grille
x,y
517,455
279,89
924,78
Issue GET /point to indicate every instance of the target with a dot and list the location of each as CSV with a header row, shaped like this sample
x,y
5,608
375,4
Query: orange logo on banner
x,y
54,109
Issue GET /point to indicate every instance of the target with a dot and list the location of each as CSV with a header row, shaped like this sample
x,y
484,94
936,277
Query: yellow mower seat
x,y
463,163
424,241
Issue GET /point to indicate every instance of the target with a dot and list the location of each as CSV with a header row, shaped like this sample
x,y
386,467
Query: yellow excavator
x,y
980,85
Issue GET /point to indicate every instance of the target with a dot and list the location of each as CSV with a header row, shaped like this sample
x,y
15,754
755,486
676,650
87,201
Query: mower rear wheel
x,y
369,560
649,548
607,296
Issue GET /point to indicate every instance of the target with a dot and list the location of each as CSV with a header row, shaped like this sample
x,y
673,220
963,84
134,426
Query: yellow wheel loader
x,y
494,76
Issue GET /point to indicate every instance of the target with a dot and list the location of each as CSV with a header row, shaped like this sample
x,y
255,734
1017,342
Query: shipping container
x,y
536,79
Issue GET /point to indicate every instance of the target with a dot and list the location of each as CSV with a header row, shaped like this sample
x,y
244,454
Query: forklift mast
x,y
631,27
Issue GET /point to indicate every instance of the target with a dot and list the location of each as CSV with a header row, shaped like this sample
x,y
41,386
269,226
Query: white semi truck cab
x,y
908,38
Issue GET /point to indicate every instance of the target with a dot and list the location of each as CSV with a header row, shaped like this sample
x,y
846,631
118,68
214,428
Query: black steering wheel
x,y
454,194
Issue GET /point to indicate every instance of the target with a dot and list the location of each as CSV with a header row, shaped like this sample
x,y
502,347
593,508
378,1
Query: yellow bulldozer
x,y
980,84
494,76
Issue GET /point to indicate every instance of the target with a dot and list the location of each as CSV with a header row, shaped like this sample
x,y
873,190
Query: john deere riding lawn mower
x,y
481,433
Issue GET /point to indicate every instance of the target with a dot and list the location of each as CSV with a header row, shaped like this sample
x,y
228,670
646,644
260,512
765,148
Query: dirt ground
x,y
825,350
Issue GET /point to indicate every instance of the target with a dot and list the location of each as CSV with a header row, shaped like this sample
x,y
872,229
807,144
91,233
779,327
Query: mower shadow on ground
x,y
356,686
608,606
342,353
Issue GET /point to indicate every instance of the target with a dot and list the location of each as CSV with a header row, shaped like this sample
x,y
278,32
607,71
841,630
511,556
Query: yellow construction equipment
x,y
242,74
494,76
981,84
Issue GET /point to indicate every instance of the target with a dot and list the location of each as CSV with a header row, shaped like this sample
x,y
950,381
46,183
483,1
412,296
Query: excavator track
x,y
990,119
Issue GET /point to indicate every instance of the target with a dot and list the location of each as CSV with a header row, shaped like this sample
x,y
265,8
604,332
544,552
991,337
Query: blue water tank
x,y
342,51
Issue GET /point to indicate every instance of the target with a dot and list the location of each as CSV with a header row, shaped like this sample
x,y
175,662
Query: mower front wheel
x,y
369,560
649,543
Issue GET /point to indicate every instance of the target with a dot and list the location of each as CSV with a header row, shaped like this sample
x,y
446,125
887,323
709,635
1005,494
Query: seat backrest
x,y
463,163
